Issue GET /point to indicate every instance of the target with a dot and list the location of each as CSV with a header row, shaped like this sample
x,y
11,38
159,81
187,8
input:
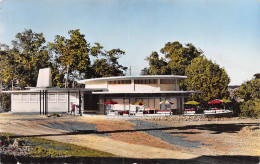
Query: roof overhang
x,y
134,77
159,92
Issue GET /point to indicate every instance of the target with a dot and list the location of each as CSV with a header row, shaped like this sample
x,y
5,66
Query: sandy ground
x,y
230,137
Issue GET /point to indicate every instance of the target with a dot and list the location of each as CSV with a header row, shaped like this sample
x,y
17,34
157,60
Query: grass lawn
x,y
40,147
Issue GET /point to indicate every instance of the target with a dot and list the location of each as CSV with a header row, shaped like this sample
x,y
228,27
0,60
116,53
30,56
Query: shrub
x,y
251,108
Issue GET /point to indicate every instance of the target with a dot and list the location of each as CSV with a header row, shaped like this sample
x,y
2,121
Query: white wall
x,y
146,87
57,102
96,84
120,87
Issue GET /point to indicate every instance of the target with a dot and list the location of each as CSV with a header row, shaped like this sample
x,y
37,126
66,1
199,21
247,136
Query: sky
x,y
227,31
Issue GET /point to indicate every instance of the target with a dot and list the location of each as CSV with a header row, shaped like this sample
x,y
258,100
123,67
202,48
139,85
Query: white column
x,y
176,85
159,84
133,84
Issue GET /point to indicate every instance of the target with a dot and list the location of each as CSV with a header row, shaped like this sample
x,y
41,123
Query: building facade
x,y
126,90
46,100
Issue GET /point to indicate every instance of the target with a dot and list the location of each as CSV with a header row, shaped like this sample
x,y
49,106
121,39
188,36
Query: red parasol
x,y
110,103
216,102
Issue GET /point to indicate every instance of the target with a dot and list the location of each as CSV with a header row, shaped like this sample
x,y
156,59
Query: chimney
x,y
44,78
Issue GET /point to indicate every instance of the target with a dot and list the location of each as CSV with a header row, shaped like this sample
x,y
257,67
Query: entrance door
x,y
90,103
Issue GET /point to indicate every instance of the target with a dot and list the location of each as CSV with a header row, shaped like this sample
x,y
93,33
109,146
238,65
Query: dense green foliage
x,y
108,64
30,54
250,92
176,59
69,59
207,77
71,55
5,101
203,75
72,58
23,61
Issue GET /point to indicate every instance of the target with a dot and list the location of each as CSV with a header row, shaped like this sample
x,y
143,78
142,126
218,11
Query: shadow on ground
x,y
4,159
214,128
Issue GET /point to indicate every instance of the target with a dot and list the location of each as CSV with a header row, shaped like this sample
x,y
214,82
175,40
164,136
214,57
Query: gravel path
x,y
153,129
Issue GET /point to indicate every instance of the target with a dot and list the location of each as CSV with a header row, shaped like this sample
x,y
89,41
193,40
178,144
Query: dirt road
x,y
162,138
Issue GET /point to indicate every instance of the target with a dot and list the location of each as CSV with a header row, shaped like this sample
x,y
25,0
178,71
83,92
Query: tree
x,y
72,54
107,63
27,56
176,59
57,76
257,76
250,92
22,62
145,71
207,77
5,101
157,66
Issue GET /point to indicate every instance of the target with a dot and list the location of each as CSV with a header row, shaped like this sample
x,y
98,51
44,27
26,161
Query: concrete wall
x,y
30,102
120,87
146,87
96,84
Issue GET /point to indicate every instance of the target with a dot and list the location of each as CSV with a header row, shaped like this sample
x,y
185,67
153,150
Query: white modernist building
x,y
46,99
126,90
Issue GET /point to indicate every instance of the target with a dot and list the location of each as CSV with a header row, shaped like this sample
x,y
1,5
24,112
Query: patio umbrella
x,y
216,101
166,102
225,101
110,103
138,103
192,103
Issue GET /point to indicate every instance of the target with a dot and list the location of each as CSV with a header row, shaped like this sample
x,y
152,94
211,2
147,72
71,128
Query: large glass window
x,y
120,82
168,81
146,81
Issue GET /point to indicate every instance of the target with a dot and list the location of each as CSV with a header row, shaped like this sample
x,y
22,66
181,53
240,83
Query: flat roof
x,y
138,92
134,77
60,90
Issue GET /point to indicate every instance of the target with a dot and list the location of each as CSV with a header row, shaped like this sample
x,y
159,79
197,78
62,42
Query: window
x,y
33,97
168,81
25,98
61,97
120,82
52,97
146,81
16,98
